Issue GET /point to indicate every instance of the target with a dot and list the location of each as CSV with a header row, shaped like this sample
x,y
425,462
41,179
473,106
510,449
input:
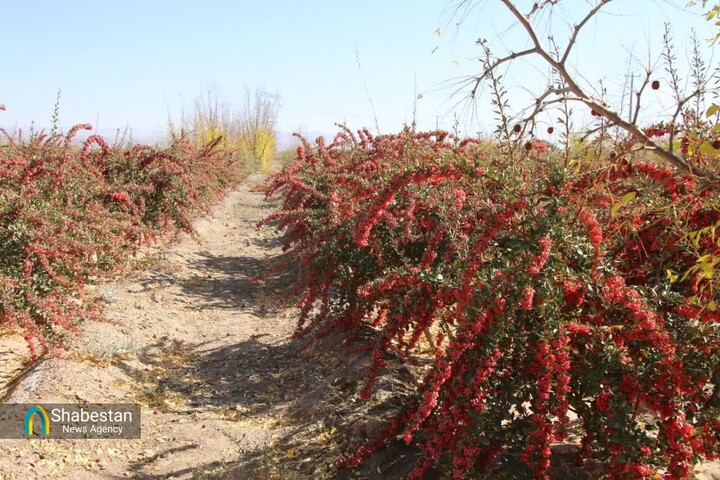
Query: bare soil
x,y
201,339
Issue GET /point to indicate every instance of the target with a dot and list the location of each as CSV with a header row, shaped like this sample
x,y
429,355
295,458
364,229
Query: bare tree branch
x,y
595,104
579,26
537,6
638,95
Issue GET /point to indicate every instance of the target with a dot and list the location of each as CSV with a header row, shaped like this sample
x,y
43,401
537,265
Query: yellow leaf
x,y
714,108
629,197
688,272
696,239
614,209
578,165
707,268
671,276
712,306
707,149
456,63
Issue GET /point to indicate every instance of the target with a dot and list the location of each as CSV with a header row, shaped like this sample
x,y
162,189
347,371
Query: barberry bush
x,y
558,296
69,211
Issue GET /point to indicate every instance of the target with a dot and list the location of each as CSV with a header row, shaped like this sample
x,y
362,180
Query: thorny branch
x,y
537,6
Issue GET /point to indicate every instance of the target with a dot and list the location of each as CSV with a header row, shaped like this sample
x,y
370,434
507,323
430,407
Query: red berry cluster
x,y
68,212
658,130
540,299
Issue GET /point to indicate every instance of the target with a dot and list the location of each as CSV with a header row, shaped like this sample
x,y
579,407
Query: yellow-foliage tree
x,y
259,144
205,134
248,130
257,126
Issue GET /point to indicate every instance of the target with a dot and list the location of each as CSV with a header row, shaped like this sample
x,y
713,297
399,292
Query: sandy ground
x,y
204,347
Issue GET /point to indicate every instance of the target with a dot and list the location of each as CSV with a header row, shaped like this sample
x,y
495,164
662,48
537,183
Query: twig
x,y
598,106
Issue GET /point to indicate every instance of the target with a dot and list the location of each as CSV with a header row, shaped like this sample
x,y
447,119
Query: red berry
x,y
550,130
716,144
594,113
613,155
528,146
517,128
655,84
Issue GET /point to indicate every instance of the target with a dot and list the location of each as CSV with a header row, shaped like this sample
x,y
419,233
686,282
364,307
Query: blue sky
x,y
136,62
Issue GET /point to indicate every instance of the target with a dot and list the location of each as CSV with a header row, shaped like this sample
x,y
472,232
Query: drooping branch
x,y
496,64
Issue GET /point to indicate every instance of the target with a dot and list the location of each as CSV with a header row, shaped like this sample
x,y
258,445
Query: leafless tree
x,y
564,87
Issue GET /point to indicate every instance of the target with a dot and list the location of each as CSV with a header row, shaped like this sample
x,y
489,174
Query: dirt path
x,y
192,329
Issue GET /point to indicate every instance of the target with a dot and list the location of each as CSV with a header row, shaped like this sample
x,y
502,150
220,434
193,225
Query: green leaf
x,y
629,197
714,108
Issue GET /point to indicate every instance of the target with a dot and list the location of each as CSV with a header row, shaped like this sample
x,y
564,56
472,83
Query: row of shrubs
x,y
70,211
559,297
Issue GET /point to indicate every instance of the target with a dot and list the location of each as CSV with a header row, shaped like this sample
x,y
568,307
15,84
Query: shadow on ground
x,y
309,391
311,394
241,283
238,283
